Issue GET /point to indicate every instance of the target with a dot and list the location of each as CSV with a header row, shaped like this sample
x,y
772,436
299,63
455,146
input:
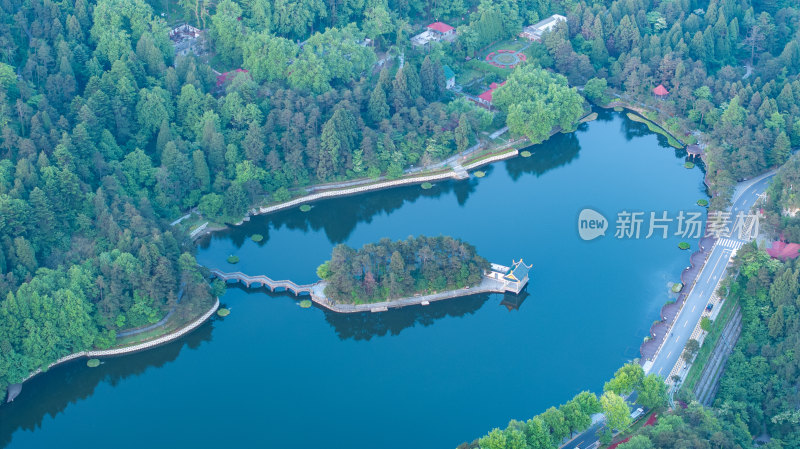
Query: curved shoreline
x,y
128,349
451,173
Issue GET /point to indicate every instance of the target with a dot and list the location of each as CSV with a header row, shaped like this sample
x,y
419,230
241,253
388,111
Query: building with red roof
x,y
441,28
661,91
485,99
435,32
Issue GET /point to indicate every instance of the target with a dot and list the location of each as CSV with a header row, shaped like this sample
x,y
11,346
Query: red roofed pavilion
x,y
440,27
661,91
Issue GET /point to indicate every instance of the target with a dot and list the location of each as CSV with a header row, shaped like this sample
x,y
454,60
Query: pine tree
x,y
377,108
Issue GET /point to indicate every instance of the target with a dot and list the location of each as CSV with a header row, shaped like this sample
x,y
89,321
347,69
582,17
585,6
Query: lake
x,y
275,375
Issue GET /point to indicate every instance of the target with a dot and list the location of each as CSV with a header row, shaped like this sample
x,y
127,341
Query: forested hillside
x,y
106,137
731,68
759,389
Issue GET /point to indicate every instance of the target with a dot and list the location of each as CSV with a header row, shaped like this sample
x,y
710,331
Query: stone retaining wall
x,y
489,160
135,348
354,190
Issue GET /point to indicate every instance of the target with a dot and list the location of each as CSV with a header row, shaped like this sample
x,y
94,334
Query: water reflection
x,y
339,217
51,393
364,326
560,150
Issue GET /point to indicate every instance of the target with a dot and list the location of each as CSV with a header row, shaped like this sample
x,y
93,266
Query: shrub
x,y
702,202
479,174
305,208
233,259
684,245
525,153
689,164
677,287
426,185
256,237
93,363
223,312
306,303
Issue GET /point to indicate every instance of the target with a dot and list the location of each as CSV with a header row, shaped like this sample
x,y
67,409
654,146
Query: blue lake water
x,y
274,375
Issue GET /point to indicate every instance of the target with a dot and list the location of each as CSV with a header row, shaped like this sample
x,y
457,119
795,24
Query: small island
x,y
389,270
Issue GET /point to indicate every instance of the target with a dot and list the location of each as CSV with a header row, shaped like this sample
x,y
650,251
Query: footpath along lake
x,y
275,375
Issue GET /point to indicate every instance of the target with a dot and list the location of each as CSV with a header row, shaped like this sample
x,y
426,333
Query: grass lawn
x,y
656,129
709,343
468,76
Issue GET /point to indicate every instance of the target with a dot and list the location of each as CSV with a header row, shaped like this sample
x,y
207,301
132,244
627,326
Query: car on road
x,y
709,307
637,413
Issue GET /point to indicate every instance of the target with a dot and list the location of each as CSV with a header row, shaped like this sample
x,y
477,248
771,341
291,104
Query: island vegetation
x,y
394,269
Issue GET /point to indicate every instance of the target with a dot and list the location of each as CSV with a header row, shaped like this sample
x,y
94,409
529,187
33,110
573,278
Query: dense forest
x,y
387,269
783,201
731,68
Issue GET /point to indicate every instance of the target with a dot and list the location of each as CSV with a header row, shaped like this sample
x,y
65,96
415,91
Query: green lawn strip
x,y
709,343
655,128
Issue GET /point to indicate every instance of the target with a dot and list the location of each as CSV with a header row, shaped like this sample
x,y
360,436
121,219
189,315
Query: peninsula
x,y
415,271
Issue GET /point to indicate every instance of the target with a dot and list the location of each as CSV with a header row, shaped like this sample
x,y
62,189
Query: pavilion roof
x,y
519,271
660,90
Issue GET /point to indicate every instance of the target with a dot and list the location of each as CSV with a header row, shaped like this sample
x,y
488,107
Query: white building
x,y
514,278
536,31
435,32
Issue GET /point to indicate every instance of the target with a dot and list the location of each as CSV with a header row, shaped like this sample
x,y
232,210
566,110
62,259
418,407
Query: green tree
x,y
536,101
653,392
628,378
616,411
462,133
226,32
377,108
595,90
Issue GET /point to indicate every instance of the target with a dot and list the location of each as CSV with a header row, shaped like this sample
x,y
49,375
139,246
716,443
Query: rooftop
x,y
448,72
441,27
519,271
487,96
660,90
548,21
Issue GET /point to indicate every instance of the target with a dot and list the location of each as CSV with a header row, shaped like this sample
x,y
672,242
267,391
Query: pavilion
x,y
694,151
514,278
660,91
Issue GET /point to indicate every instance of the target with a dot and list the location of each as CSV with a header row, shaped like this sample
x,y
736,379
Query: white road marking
x,y
659,371
687,322
676,338
694,307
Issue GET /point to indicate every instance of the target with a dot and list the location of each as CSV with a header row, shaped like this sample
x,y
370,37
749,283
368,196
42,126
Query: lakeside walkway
x,y
317,292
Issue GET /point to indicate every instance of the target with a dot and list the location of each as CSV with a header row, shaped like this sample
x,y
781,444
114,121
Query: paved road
x,y
743,199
